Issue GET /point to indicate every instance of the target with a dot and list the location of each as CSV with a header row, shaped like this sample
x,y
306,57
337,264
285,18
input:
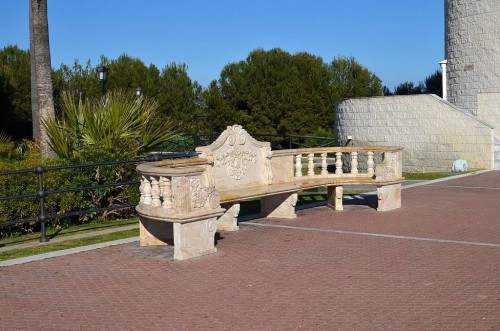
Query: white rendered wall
x,y
488,109
472,49
433,132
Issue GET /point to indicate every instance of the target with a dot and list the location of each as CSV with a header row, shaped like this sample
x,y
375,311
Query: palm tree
x,y
122,124
34,103
39,35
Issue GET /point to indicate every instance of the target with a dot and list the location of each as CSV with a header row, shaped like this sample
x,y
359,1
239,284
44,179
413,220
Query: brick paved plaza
x,y
434,264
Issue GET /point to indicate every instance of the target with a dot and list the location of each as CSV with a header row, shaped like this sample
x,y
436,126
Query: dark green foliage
x,y
409,88
434,84
15,97
274,92
277,92
63,179
127,73
386,91
352,80
123,123
180,98
78,80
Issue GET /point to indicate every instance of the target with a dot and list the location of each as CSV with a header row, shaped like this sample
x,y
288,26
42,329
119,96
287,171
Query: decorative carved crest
x,y
235,152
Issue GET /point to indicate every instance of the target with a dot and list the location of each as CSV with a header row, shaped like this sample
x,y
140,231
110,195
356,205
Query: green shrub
x,y
59,203
121,124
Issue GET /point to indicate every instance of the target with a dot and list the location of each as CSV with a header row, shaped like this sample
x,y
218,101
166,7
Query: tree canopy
x,y
271,91
15,99
278,92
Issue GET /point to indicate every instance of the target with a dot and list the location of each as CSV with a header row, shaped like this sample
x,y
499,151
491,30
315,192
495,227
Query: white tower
x,y
472,49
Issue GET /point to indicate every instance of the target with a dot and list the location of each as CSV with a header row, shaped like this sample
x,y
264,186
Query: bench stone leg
x,y
229,221
155,233
193,239
279,206
389,197
335,194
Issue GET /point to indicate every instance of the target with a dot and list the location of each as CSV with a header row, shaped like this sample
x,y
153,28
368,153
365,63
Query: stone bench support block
x,y
279,206
229,221
155,233
335,194
389,197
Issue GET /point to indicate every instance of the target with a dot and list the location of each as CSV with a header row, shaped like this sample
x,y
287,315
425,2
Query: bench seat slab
x,y
253,192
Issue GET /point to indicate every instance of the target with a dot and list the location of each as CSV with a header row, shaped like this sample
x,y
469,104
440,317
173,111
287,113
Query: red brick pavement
x,y
268,278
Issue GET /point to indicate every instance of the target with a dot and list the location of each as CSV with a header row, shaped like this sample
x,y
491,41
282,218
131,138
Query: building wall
x,y
472,48
433,132
488,109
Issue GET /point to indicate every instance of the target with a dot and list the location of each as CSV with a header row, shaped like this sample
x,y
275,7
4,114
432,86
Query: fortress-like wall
x,y
488,109
433,132
472,49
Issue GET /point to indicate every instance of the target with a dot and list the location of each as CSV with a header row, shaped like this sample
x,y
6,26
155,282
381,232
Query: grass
x,y
430,175
67,231
46,248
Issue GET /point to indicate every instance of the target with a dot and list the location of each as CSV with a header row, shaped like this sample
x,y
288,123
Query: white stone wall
x,y
433,132
488,109
472,48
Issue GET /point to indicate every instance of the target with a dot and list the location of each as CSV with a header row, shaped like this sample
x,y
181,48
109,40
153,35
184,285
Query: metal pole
x,y
211,127
103,91
196,134
41,195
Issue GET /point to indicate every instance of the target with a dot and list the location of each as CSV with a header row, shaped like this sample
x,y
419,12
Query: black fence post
x,y
41,195
289,141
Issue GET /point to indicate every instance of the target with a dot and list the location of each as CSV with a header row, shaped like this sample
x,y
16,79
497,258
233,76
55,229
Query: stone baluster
x,y
155,192
298,165
161,185
146,189
354,162
338,163
310,164
141,189
370,164
324,165
167,193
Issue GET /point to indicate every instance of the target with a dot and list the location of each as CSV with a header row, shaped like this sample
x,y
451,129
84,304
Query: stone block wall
x,y
433,132
488,109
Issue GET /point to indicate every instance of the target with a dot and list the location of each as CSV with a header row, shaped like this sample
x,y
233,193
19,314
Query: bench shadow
x,y
218,237
368,200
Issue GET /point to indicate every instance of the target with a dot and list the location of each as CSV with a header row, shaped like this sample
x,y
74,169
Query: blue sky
x,y
399,40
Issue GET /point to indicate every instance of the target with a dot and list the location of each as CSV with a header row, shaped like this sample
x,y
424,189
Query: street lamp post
x,y
103,77
138,92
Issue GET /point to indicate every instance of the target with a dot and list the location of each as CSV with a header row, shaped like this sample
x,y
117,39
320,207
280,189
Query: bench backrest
x,y
238,160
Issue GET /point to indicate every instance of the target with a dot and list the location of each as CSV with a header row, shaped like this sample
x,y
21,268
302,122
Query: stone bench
x,y
185,201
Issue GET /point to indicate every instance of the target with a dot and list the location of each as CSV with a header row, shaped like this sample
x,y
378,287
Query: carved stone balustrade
x,y
317,167
183,202
178,206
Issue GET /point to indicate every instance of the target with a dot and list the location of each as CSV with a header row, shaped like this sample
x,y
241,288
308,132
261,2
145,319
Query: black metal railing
x,y
41,194
186,149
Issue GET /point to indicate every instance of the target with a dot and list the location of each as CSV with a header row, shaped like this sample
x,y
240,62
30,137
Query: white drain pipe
x,y
443,71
